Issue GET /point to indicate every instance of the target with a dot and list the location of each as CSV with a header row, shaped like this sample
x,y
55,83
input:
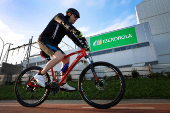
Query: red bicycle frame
x,y
82,54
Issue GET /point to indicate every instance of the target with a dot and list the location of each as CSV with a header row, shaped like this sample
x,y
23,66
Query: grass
x,y
135,88
147,88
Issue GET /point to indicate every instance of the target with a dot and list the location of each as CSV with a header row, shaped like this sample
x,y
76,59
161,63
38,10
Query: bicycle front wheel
x,y
30,96
108,92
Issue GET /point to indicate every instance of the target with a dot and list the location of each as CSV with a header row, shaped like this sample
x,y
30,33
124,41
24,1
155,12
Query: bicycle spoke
x,y
107,91
27,95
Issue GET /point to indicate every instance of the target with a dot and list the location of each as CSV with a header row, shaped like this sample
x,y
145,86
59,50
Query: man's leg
x,y
65,86
57,57
64,61
40,77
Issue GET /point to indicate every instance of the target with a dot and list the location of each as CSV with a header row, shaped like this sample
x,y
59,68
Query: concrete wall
x,y
157,13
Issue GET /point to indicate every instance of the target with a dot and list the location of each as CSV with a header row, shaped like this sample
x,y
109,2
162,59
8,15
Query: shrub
x,y
156,75
127,76
135,74
69,78
168,74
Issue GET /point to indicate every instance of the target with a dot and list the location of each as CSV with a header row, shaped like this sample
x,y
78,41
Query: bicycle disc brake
x,y
55,87
101,85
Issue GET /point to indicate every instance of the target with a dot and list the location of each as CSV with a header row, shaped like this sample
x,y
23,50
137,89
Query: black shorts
x,y
48,46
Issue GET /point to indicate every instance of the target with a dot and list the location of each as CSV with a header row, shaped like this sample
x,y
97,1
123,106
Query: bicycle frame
x,y
82,54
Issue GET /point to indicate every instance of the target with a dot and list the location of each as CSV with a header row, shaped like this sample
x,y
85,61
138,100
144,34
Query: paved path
x,y
79,106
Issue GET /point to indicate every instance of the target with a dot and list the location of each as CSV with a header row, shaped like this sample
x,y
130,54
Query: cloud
x,y
9,36
69,3
96,3
118,3
118,23
83,29
124,2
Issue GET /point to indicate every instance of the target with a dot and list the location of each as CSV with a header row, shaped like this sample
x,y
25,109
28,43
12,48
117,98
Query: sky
x,y
22,19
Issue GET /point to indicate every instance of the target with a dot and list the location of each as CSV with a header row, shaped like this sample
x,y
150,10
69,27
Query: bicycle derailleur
x,y
31,88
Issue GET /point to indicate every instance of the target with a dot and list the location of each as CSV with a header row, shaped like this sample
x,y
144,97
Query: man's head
x,y
73,14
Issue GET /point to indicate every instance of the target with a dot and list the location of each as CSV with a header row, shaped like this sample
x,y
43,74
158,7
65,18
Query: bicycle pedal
x,y
62,89
67,90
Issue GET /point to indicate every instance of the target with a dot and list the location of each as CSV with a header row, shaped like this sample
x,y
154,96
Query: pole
x,y
29,50
8,52
2,48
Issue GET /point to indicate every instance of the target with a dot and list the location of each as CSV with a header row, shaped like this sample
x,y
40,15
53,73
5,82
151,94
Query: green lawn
x,y
135,88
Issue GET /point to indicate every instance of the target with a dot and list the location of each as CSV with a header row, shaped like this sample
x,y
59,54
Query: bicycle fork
x,y
97,81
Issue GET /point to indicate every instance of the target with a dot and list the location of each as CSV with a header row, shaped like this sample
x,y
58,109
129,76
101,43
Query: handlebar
x,y
84,43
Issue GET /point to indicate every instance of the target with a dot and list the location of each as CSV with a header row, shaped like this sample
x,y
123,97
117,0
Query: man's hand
x,y
79,34
87,49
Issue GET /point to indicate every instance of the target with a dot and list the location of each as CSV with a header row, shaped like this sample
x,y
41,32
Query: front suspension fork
x,y
97,81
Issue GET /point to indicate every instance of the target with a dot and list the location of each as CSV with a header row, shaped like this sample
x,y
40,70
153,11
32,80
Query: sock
x,y
63,84
40,74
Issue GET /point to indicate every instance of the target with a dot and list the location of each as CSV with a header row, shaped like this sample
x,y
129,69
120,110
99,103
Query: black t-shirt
x,y
57,28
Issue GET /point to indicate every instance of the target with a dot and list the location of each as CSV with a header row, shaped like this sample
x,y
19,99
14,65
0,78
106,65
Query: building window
x,y
128,47
31,64
123,48
117,49
42,62
120,49
142,45
134,46
109,51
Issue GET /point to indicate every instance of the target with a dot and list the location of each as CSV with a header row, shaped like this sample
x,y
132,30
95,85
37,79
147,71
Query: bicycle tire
x,y
30,96
106,95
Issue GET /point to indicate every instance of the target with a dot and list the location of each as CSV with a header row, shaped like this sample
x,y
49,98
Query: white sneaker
x,y
68,88
40,79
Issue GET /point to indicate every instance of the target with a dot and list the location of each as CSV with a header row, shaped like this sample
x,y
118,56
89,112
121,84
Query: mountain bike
x,y
106,85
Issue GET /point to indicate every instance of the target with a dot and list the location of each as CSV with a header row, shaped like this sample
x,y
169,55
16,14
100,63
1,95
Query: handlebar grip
x,y
84,43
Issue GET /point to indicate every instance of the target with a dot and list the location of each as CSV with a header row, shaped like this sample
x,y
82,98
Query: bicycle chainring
x,y
55,87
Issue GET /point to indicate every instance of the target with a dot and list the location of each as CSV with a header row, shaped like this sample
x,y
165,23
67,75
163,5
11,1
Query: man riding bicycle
x,y
49,39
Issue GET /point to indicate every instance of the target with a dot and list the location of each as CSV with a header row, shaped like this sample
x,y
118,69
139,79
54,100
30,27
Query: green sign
x,y
113,39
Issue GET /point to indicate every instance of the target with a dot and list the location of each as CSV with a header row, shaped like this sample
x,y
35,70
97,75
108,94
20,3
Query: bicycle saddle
x,y
44,55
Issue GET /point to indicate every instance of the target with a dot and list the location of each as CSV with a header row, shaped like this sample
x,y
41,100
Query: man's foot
x,y
40,79
67,88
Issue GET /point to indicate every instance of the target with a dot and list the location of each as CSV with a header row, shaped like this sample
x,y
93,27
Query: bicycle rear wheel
x,y
30,96
104,95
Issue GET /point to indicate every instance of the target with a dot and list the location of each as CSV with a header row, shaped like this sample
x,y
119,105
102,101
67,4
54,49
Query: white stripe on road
x,y
125,107
133,108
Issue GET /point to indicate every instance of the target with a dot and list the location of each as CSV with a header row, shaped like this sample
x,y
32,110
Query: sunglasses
x,y
76,16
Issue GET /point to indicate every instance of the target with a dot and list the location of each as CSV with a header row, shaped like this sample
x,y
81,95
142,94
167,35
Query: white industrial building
x,y
144,47
157,13
152,45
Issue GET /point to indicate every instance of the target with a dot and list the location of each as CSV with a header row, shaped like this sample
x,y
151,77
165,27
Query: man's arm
x,y
60,18
74,39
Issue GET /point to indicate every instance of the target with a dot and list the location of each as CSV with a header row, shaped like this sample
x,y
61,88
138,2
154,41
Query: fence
x,y
143,71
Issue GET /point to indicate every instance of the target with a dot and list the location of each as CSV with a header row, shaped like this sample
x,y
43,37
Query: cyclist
x,y
52,35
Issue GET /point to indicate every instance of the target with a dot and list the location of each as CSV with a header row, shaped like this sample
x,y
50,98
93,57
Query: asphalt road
x,y
79,106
